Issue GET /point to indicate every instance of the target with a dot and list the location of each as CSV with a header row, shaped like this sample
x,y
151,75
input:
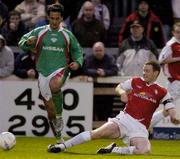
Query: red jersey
x,y
171,70
143,99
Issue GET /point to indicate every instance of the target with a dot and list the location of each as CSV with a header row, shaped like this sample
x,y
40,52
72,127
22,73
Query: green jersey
x,y
54,49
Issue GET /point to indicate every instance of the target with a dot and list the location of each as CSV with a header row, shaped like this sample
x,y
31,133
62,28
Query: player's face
x,y
55,19
149,74
176,33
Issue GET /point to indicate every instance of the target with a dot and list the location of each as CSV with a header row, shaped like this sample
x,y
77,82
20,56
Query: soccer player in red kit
x,y
169,58
142,96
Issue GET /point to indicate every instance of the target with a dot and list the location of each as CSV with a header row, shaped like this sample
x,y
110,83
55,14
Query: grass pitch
x,y
35,148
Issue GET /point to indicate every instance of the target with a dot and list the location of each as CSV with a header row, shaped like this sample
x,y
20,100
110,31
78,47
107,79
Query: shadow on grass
x,y
78,153
165,155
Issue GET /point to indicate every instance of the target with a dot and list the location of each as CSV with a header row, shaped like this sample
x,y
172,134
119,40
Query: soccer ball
x,y
7,140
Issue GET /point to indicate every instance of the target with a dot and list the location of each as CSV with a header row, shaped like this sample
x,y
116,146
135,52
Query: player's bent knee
x,y
108,130
96,134
55,85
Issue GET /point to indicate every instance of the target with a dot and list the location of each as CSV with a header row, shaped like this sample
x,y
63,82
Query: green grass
x,y
35,148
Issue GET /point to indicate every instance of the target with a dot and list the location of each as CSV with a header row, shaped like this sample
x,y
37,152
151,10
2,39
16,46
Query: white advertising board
x,y
23,113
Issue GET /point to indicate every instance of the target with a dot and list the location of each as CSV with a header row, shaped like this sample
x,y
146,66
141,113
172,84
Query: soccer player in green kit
x,y
57,53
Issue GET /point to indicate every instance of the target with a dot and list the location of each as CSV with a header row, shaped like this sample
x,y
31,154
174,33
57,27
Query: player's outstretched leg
x,y
107,149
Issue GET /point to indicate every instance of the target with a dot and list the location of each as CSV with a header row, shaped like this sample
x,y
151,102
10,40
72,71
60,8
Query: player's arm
x,y
170,108
122,90
173,116
76,52
166,56
28,41
170,59
119,90
122,93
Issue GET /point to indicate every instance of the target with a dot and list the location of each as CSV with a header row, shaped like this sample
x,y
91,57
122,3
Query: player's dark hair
x,y
156,66
57,7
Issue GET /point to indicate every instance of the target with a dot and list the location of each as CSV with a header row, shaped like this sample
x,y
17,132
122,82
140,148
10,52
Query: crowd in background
x,y
138,28
93,21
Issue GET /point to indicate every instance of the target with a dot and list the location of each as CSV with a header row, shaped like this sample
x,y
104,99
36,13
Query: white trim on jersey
x,y
166,52
67,38
126,85
41,33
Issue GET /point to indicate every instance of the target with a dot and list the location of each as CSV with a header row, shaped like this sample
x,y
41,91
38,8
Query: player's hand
x,y
175,121
31,40
74,65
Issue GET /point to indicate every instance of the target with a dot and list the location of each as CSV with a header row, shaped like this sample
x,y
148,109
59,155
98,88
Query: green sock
x,y
58,124
58,101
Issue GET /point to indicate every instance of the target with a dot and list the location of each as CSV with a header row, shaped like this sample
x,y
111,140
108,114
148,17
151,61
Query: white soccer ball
x,y
7,140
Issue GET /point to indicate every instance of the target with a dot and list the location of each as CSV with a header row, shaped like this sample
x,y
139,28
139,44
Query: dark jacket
x,y
91,64
13,37
152,25
23,63
88,33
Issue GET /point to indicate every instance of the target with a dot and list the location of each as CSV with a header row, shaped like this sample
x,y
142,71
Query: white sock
x,y
81,138
157,117
124,150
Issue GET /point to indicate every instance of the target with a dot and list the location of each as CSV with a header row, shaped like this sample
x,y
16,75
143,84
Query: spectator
x,y
101,13
88,30
135,51
165,12
6,59
11,4
3,13
13,29
100,64
152,24
25,66
175,7
31,12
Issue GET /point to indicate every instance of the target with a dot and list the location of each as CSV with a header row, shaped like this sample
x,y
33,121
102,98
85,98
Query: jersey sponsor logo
x,y
144,96
139,86
156,91
54,40
53,48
